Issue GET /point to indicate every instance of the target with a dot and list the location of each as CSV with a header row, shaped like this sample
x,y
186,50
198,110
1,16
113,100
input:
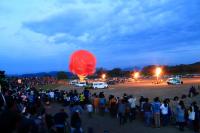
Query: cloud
x,y
120,17
132,32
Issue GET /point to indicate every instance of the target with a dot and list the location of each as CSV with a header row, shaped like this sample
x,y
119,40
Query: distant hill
x,y
194,64
43,74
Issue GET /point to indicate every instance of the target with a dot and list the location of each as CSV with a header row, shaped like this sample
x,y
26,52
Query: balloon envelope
x,y
82,63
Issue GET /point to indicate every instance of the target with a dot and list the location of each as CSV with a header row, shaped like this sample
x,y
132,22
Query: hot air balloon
x,y
82,63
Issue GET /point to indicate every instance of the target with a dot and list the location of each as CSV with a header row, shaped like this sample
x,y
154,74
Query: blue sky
x,y
40,35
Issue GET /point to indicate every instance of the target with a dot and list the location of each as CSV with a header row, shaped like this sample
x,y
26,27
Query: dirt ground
x,y
140,88
144,88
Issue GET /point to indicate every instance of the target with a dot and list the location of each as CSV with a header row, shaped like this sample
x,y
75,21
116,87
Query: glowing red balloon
x,y
82,63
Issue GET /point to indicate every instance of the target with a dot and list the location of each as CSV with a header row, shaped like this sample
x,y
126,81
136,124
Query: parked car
x,y
99,85
81,84
174,81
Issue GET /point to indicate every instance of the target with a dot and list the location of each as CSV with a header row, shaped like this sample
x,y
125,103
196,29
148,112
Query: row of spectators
x,y
31,81
154,113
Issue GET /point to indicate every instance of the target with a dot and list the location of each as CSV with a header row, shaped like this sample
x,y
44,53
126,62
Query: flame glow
x,y
81,78
136,75
158,71
103,76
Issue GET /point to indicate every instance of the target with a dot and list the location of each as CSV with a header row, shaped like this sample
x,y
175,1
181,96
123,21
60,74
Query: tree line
x,y
118,72
174,70
150,70
145,71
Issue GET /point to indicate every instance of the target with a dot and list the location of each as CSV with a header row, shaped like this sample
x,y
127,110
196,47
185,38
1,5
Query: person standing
x,y
147,112
181,115
96,103
173,105
112,106
76,123
164,111
60,120
191,116
121,112
156,112
132,102
142,101
52,95
102,103
194,116
82,100
89,109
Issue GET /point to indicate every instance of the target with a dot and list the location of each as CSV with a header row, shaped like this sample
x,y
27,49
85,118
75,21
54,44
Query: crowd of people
x,y
22,109
31,81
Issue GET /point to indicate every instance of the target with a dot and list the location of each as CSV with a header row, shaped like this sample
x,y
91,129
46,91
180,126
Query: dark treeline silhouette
x,y
116,72
150,70
184,69
174,70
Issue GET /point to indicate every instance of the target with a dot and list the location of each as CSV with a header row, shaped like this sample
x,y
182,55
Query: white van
x,y
99,85
81,84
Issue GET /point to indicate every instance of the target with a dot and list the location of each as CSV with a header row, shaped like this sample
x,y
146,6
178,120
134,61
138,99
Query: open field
x,y
145,88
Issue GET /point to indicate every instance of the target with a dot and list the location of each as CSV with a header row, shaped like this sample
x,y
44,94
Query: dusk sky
x,y
40,35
